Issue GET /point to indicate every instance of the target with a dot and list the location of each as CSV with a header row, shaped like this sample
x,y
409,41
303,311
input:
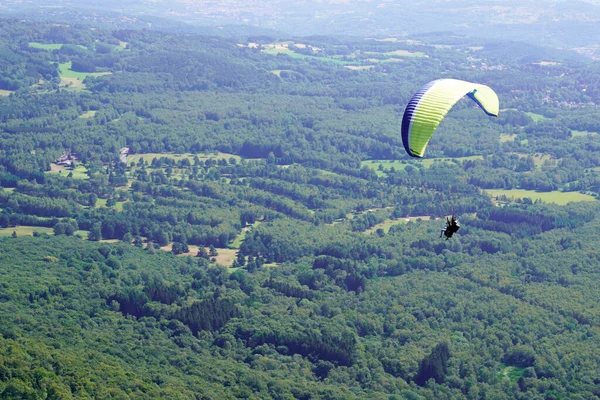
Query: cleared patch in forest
x,y
538,158
88,114
237,242
283,48
28,230
73,79
537,117
507,137
388,223
215,155
386,165
556,197
22,230
359,67
404,53
511,373
51,46
583,133
225,257
79,172
101,203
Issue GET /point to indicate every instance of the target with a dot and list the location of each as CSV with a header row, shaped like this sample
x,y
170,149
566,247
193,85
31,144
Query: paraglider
x,y
452,226
431,103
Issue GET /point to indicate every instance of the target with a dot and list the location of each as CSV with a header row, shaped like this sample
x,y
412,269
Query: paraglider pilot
x,y
452,226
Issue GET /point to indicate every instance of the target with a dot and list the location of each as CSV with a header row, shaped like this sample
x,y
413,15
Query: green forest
x,y
185,216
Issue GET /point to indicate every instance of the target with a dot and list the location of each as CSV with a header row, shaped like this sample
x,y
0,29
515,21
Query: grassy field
x,y
505,137
88,114
555,197
511,373
101,203
28,231
83,234
388,223
80,172
398,53
73,79
537,117
359,67
354,64
202,156
50,46
67,72
45,46
25,230
402,164
538,158
225,257
240,238
282,48
583,133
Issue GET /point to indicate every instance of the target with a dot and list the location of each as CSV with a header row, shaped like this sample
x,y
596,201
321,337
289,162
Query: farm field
x,y
556,197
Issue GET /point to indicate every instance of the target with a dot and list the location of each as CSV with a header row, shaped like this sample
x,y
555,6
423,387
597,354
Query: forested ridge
x,y
200,217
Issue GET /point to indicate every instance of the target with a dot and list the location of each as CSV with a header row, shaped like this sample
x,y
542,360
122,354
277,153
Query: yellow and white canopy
x,y
430,105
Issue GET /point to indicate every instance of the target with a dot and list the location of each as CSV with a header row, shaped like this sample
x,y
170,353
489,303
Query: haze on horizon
x,y
559,23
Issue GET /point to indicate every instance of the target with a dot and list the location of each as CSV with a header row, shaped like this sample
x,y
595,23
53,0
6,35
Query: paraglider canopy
x,y
431,103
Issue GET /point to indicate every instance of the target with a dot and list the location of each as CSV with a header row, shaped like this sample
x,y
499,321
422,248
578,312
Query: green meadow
x,y
202,156
506,137
73,79
101,203
88,114
25,230
511,373
555,197
583,133
536,117
402,164
388,223
79,172
50,46
282,48
398,53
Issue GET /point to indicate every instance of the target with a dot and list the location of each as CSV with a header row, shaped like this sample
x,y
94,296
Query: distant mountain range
x,y
559,23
